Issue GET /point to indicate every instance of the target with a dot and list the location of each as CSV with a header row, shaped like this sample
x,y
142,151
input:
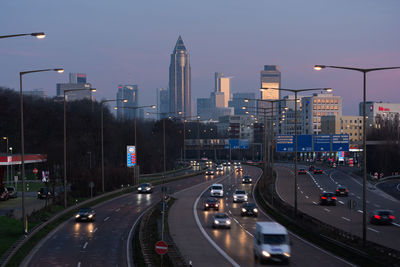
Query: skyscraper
x,y
129,92
270,78
179,81
162,103
223,85
76,81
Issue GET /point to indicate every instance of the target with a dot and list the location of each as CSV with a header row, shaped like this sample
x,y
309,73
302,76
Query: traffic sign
x,y
340,142
35,171
161,247
284,143
322,142
304,143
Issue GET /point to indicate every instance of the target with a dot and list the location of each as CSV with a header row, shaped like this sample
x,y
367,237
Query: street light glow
x,y
319,67
59,70
93,90
125,100
153,106
39,35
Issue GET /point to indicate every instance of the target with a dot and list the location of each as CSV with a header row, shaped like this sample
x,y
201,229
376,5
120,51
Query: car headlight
x,y
216,222
38,193
266,254
255,210
148,188
206,205
216,205
77,216
228,222
235,197
243,210
286,254
90,216
245,197
250,180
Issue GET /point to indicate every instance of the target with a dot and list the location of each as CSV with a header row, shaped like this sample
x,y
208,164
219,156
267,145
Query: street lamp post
x,y
39,35
364,71
6,138
65,137
11,167
24,219
296,91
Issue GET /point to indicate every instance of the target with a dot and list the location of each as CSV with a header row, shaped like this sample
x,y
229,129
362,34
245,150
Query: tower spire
x,y
179,45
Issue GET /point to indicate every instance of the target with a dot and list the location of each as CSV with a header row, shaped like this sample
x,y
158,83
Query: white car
x,y
240,196
221,220
217,190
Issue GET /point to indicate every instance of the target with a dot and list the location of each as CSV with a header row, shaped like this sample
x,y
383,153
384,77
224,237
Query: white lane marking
x,y
360,211
328,210
94,231
358,197
376,205
79,264
373,230
106,219
226,204
352,194
307,197
398,225
341,202
230,212
118,209
235,220
315,203
321,189
301,191
85,245
347,219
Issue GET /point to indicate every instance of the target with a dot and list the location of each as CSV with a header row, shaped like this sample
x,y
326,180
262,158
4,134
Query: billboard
x,y
131,156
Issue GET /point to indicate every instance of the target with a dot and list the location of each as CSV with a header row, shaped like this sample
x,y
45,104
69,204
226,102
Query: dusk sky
x,y
130,42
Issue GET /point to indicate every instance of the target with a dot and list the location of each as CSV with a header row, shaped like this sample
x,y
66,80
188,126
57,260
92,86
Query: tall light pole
x,y
364,71
102,137
6,138
11,167
39,35
184,133
65,137
24,219
296,91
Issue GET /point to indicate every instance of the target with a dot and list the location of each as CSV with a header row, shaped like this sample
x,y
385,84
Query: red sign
x,y
383,109
161,247
35,171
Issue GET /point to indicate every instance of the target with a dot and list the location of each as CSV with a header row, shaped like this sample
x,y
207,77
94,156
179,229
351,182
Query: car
x,y
3,193
220,168
217,190
85,214
239,196
381,217
249,209
317,171
239,169
211,203
246,179
221,220
311,167
209,172
327,198
342,191
224,163
12,192
145,188
302,171
44,193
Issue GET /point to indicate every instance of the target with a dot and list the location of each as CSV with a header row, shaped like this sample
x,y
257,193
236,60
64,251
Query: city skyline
x,y
298,37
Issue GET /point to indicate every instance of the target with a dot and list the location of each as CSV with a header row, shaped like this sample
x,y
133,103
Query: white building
x,y
378,111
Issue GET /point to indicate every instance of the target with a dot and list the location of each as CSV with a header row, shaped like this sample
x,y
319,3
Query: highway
x,y
103,242
311,185
202,244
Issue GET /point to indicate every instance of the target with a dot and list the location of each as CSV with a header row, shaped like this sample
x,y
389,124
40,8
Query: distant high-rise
x,y
162,103
223,85
77,78
237,103
270,78
76,81
125,111
180,81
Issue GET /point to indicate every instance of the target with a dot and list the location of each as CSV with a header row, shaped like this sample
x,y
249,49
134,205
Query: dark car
x,y
12,193
311,167
44,193
85,214
302,171
249,209
209,172
381,217
3,193
239,169
317,171
342,191
246,179
211,203
327,198
145,188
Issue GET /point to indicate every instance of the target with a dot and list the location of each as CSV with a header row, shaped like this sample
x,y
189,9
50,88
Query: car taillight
x,y
333,197
377,217
391,217
337,190
347,190
323,197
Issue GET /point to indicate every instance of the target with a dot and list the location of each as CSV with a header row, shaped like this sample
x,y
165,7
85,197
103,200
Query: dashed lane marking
x,y
398,225
106,219
347,219
307,197
315,203
373,230
94,231
79,264
85,245
360,211
328,210
341,202
118,209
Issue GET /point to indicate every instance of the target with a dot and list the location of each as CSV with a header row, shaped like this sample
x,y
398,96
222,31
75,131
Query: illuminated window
x,y
319,101
331,101
319,119
336,101
315,108
336,108
323,101
315,120
315,101
332,107
319,113
319,107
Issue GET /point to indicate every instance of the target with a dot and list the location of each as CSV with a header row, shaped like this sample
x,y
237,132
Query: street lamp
x,y
39,35
24,219
364,71
102,137
65,136
6,138
296,91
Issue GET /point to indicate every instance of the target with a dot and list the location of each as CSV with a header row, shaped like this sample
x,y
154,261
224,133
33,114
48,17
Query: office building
x,y
237,103
162,103
80,91
77,78
223,85
180,81
285,121
380,112
126,110
270,78
204,108
351,125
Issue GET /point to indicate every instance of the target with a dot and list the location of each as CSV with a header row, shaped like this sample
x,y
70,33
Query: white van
x,y
217,190
271,242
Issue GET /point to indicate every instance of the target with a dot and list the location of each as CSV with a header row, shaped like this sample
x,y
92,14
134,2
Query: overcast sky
x,y
130,42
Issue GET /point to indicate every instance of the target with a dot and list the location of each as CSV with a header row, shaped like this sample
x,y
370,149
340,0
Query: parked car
x,y
246,179
211,203
327,198
85,214
381,217
12,192
249,209
221,220
302,171
44,193
145,188
342,191
240,196
3,193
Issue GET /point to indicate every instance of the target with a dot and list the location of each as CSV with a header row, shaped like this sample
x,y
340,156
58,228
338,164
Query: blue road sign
x,y
322,142
340,142
304,143
244,143
284,143
233,144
